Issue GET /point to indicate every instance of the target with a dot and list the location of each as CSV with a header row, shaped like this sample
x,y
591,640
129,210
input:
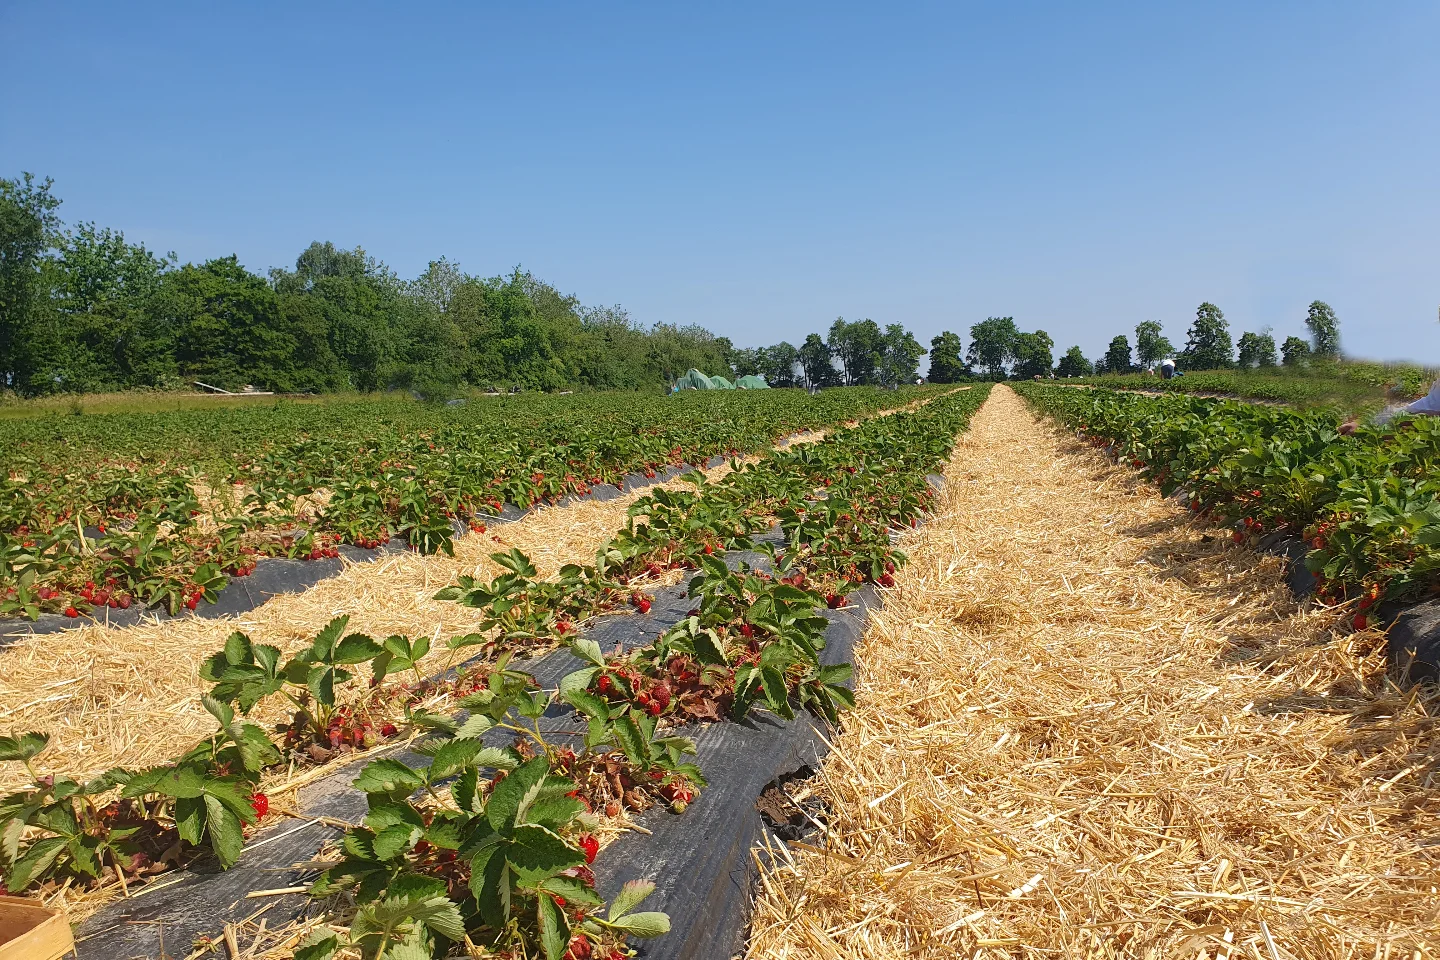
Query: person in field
x,y
1427,406
1167,368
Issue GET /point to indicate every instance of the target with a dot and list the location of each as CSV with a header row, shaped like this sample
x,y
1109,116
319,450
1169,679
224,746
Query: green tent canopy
x,y
752,382
694,380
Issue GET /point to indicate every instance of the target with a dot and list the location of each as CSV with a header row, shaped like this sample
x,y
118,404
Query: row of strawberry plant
x,y
1365,504
151,529
201,799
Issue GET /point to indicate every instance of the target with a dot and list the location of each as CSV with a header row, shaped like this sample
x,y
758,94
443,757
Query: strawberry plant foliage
x,y
117,515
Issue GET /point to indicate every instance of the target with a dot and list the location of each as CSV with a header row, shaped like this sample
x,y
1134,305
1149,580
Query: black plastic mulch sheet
x,y
274,576
700,861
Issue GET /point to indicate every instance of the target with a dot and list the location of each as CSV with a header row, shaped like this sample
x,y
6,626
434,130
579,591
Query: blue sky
x,y
761,169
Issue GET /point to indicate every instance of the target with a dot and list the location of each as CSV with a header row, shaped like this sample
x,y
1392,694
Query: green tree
x,y
229,328
1151,346
817,363
361,301
1256,350
992,345
1209,346
1294,352
1324,330
28,226
1033,356
858,346
101,289
946,362
900,356
779,363
1117,357
747,361
1073,364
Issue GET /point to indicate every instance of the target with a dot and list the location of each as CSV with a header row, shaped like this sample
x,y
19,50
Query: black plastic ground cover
x,y
700,861
274,576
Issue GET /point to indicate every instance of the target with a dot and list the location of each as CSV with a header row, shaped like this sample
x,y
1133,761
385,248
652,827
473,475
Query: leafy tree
x,y
900,356
1151,346
747,361
858,346
1294,352
1073,364
28,225
1117,357
992,345
100,289
946,365
1209,346
1324,330
229,329
817,363
1033,356
1256,350
778,364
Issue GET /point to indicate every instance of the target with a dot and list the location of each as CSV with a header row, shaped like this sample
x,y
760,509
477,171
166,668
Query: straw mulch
x,y
130,696
1089,728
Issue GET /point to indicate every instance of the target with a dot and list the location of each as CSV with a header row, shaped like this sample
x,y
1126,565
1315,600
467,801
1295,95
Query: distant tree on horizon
x,y
1074,364
946,364
1324,330
1209,346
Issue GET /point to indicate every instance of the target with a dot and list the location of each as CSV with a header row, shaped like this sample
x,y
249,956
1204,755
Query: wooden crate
x,y
29,931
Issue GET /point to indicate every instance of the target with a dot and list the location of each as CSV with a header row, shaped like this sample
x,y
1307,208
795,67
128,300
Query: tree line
x,y
84,309
1209,346
998,349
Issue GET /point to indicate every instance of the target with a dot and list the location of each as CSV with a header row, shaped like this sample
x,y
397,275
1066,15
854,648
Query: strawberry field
x,y
1364,504
162,510
529,741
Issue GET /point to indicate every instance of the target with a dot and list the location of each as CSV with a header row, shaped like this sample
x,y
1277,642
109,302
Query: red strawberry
x,y
71,612
388,730
260,804
886,580
746,630
1238,537
660,696
834,600
579,948
1360,621
590,845
605,684
641,602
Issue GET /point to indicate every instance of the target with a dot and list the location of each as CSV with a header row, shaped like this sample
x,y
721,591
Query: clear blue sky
x,y
761,169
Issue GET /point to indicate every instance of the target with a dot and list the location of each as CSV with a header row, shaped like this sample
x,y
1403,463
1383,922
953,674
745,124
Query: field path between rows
x,y
1090,727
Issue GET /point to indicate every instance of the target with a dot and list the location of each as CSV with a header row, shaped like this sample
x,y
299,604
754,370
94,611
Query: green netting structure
x,y
751,382
722,384
694,380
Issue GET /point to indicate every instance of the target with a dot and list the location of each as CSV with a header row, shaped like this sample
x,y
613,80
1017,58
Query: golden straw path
x,y
1087,728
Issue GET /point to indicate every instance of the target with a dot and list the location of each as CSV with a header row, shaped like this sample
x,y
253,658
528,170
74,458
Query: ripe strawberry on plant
x,y
1360,621
260,804
640,602
590,845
